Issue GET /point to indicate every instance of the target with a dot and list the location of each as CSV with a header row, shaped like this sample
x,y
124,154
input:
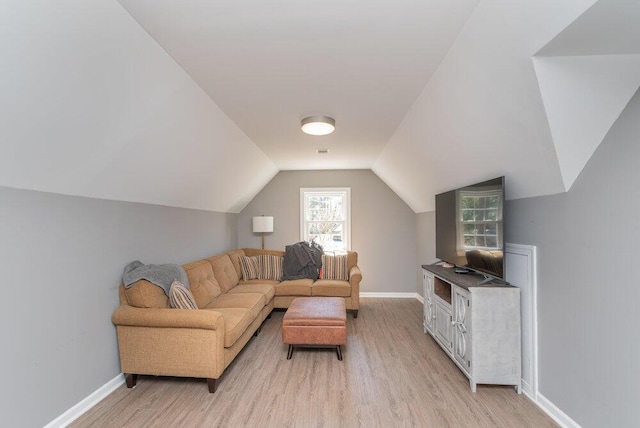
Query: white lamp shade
x,y
262,224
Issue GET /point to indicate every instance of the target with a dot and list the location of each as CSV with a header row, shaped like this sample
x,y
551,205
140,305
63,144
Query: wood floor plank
x,y
392,375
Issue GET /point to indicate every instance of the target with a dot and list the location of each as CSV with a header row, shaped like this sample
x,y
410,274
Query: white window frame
x,y
344,192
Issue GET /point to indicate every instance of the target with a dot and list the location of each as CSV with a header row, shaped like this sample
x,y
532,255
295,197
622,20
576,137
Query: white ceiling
x,y
268,64
197,103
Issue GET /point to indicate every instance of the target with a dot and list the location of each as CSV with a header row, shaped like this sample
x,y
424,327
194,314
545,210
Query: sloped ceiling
x,y
495,108
587,75
197,104
91,106
269,64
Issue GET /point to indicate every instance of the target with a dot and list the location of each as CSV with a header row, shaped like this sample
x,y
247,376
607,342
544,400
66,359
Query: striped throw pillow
x,y
180,297
270,267
335,267
250,267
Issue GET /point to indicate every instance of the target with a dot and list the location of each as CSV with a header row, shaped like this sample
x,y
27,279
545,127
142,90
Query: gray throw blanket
x,y
302,260
160,275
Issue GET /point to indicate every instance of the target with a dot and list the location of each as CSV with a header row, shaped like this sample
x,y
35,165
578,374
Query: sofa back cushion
x,y
202,283
251,252
235,255
144,294
224,271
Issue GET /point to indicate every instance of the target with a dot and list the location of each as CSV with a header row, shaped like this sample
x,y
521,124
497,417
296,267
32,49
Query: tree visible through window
x,y
325,217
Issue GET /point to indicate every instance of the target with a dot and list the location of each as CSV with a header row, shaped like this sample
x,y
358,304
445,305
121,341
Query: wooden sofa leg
x,y
131,379
211,383
354,313
257,332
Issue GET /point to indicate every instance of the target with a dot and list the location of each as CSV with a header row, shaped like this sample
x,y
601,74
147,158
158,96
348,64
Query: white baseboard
x,y
94,398
528,390
389,295
555,413
420,298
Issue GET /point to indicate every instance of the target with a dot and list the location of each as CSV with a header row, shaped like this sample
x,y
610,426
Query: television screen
x,y
469,227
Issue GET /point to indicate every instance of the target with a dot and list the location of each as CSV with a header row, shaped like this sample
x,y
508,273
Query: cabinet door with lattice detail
x,y
462,328
429,309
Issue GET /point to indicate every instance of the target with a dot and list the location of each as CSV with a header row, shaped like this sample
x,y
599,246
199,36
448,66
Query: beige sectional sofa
x,y
155,339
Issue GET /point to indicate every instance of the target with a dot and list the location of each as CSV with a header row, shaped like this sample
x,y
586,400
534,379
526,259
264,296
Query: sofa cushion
x,y
259,281
250,267
235,255
267,290
224,271
331,287
254,302
294,287
335,267
270,267
144,294
236,321
202,282
180,297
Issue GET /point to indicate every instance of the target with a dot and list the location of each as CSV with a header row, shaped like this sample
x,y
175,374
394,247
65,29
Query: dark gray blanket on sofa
x,y
160,275
302,260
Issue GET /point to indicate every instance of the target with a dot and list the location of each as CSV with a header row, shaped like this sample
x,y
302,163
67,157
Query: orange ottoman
x,y
315,322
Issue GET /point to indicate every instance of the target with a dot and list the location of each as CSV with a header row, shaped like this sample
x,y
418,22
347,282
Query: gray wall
x,y
426,224
588,291
62,260
383,227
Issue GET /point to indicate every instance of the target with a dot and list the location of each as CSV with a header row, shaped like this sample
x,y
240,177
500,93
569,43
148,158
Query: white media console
x,y
477,325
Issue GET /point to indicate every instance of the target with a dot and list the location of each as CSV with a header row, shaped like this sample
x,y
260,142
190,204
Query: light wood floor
x,y
392,375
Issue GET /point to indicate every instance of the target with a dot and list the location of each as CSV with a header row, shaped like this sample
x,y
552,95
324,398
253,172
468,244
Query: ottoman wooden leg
x,y
290,353
339,351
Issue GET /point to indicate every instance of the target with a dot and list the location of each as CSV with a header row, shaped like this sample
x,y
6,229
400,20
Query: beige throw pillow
x,y
250,267
335,267
270,267
180,297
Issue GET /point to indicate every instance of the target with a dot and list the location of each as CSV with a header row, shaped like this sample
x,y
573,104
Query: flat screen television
x,y
469,227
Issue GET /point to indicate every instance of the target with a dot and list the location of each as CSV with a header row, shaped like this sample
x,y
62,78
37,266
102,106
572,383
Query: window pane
x,y
324,208
491,242
491,229
469,229
480,229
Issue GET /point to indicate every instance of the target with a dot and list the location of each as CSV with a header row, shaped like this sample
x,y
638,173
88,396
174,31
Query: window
x,y
325,217
479,220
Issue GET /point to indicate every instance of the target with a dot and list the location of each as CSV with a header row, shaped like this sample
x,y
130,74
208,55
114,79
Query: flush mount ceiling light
x,y
318,125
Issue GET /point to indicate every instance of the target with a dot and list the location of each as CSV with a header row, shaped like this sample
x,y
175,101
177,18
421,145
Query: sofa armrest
x,y
170,342
355,276
173,318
